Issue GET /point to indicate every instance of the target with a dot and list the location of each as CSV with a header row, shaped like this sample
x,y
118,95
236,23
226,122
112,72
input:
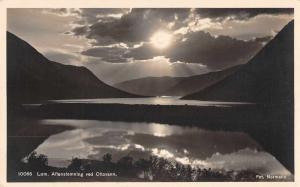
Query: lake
x,y
164,100
188,145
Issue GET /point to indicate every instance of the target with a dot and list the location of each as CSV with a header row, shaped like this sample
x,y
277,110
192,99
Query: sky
x,y
122,44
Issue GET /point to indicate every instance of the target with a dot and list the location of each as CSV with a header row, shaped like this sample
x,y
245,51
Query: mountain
x,y
173,86
149,86
196,83
31,77
266,78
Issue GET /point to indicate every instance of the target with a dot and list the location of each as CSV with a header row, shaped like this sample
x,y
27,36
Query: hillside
x,y
31,77
149,86
266,78
196,83
173,86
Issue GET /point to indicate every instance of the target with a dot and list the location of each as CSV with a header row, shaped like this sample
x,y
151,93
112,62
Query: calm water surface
x,y
164,100
209,149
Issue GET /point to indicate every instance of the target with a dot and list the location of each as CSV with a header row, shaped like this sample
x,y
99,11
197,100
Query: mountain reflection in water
x,y
188,145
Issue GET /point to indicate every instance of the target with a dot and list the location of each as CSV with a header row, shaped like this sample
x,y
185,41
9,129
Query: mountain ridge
x,y
173,86
31,77
266,78
199,82
148,86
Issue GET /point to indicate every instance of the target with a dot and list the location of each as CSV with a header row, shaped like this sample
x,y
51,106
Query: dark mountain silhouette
x,y
196,83
266,78
173,86
149,86
32,78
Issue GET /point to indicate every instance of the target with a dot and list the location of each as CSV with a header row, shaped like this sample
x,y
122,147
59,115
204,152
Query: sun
x,y
161,39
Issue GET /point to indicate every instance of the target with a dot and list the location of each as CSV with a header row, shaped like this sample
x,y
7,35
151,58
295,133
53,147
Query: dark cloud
x,y
240,13
201,47
216,53
80,30
144,52
134,27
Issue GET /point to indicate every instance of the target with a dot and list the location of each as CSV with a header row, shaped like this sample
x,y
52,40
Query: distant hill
x,y
266,78
173,86
196,83
149,86
32,78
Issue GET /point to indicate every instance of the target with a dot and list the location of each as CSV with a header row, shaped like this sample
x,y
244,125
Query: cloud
x,y
62,11
215,52
138,25
132,27
86,13
144,52
79,30
201,47
59,11
108,54
93,15
197,47
220,14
